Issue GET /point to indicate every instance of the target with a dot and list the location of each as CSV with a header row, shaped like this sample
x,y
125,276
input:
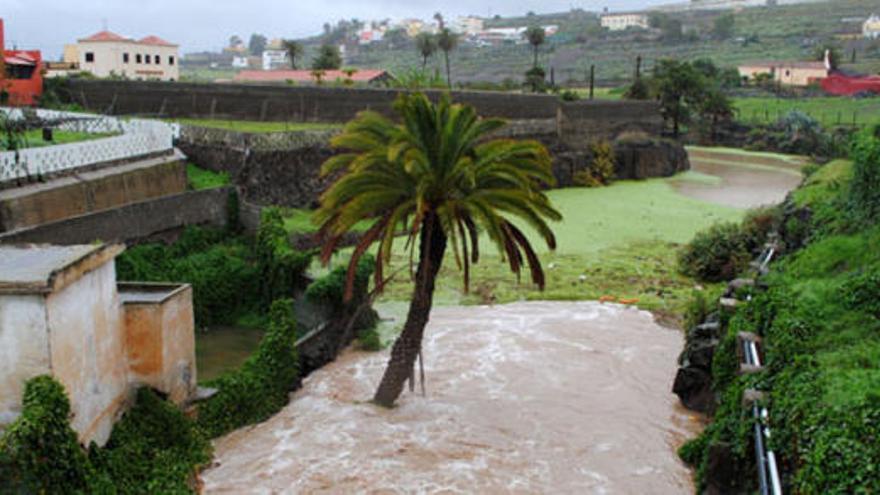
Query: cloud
x,y
207,24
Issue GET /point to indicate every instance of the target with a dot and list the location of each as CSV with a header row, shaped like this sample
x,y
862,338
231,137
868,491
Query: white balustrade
x,y
136,137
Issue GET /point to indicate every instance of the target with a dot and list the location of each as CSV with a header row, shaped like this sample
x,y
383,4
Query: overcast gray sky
x,y
206,24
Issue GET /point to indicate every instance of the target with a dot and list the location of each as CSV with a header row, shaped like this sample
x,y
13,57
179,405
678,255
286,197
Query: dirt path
x,y
523,398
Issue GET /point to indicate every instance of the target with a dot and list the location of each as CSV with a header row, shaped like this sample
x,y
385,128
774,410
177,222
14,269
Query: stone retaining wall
x,y
132,222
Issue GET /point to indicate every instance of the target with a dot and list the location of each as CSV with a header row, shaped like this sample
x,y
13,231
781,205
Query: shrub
x,y
861,292
153,449
601,169
281,267
330,289
260,387
716,254
369,340
864,194
41,450
724,250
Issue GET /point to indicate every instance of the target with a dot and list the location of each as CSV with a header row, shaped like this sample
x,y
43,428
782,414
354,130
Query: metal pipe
x,y
759,453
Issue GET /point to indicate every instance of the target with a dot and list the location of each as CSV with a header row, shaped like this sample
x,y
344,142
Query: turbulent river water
x,y
537,397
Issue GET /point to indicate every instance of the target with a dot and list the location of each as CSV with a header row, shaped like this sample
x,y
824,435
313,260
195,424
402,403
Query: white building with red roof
x,y
107,54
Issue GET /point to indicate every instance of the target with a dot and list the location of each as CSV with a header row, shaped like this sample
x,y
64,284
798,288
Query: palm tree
x,y
536,37
447,41
427,46
437,174
294,50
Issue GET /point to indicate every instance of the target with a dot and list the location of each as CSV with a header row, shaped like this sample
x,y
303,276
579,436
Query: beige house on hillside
x,y
871,27
786,73
107,54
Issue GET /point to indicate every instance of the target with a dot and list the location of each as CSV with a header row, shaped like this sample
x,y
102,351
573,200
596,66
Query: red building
x,y
21,79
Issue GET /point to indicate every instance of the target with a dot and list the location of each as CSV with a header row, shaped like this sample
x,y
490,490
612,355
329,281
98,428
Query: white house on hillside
x,y
624,21
107,54
871,27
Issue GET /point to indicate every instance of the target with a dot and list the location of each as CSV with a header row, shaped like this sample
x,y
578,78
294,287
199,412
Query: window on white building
x,y
157,60
137,58
90,57
171,60
124,58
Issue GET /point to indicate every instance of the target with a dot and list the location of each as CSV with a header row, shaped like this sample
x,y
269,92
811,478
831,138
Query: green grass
x,y
258,127
825,184
829,110
619,241
299,221
199,178
34,137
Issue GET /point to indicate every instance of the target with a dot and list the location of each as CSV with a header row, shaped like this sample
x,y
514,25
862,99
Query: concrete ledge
x,y
133,221
90,192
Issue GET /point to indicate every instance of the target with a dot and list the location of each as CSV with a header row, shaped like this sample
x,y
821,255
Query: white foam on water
x,y
521,398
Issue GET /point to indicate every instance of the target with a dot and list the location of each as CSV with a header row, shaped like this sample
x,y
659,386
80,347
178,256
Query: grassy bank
x,y
820,323
619,241
829,110
258,127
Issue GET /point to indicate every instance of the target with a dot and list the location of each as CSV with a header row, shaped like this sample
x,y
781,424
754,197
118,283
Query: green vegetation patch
x,y
199,178
820,322
828,110
34,137
258,127
153,449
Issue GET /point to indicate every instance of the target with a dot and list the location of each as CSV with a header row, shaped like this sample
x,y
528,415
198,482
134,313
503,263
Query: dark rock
x,y
643,158
736,285
721,471
693,386
699,353
705,331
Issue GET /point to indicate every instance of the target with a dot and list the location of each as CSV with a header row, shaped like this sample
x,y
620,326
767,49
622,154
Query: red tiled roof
x,y
155,40
362,75
105,36
19,59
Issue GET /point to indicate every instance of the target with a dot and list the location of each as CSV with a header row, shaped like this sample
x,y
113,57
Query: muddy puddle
x,y
739,181
524,398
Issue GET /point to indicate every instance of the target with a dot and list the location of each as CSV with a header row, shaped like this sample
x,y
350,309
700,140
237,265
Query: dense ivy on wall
x,y
260,387
231,275
153,449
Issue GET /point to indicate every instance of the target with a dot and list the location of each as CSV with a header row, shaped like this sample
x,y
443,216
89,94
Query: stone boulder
x,y
639,156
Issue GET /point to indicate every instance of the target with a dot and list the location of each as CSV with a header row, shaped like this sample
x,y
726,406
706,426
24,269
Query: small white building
x,y
274,59
107,54
871,27
63,314
624,21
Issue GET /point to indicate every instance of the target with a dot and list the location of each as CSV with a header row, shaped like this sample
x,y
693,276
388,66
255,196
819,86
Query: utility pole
x,y
592,79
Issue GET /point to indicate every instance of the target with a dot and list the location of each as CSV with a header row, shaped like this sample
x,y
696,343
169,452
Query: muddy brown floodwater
x,y
536,397
744,181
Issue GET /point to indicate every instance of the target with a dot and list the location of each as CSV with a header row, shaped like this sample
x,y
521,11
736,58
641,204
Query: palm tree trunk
x,y
407,347
535,48
448,72
424,63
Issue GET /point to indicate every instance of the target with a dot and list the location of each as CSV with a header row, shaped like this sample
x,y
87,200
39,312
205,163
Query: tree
x,y
437,173
833,51
396,37
427,46
714,107
723,26
257,44
294,50
441,24
679,87
536,37
328,58
447,41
